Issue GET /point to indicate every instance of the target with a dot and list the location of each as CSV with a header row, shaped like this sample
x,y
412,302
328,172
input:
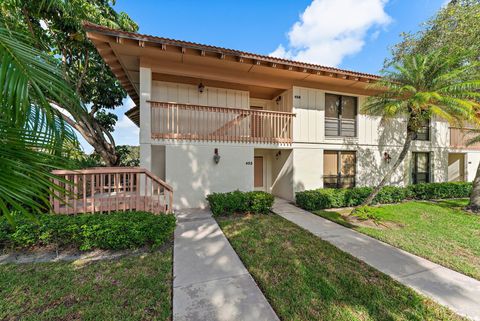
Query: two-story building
x,y
213,120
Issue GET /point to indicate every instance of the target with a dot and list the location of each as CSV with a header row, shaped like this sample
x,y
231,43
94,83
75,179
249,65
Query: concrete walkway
x,y
452,289
210,282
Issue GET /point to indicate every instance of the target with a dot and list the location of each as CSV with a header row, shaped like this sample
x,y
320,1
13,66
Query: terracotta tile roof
x,y
137,36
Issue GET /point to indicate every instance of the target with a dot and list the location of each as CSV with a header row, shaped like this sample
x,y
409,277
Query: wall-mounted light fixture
x,y
278,154
216,156
201,87
387,158
278,100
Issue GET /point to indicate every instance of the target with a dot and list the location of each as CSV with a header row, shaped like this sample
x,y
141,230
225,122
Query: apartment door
x,y
258,172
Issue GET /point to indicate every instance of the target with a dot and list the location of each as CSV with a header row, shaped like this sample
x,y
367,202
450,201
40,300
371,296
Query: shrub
x,y
321,198
428,191
392,194
331,198
356,196
259,202
240,202
116,231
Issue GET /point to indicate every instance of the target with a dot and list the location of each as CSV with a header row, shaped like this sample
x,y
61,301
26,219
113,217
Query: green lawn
x,y
439,231
306,278
132,288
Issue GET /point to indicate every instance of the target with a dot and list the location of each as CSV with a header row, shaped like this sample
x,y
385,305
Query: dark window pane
x,y
349,107
340,115
332,103
330,163
423,133
420,168
335,177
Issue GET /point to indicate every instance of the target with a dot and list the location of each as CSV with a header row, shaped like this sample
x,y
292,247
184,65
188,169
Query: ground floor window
x,y
420,168
339,169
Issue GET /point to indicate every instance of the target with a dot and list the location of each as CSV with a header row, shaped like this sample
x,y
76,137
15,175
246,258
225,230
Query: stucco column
x,y
145,122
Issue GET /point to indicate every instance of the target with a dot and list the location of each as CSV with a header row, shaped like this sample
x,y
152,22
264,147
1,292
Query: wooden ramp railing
x,y
204,123
107,189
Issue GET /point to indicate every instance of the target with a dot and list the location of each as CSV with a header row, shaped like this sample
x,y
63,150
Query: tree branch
x,y
84,72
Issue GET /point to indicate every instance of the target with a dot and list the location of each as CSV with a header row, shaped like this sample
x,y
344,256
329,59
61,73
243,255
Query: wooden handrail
x,y
205,123
112,170
107,189
213,108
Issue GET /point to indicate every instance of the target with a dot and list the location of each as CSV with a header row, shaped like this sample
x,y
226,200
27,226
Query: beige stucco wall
x,y
193,174
307,168
282,174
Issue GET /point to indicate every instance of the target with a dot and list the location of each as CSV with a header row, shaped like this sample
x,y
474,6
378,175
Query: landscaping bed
x,y
319,199
439,231
129,288
306,278
114,231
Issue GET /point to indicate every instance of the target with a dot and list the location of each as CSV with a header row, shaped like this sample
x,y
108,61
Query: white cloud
x,y
329,30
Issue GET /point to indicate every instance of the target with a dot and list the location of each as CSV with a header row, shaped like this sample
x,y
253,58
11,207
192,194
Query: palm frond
x,y
32,132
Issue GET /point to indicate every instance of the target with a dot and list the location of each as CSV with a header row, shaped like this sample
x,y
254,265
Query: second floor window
x,y
424,132
340,115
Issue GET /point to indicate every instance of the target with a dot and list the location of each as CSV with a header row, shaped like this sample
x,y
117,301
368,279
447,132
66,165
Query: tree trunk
x,y
388,175
474,205
96,136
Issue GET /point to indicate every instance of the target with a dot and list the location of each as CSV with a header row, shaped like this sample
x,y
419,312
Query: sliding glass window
x,y
340,115
339,169
420,168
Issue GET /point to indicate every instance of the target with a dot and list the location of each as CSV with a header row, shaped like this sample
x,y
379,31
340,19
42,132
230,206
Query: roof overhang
x,y
182,61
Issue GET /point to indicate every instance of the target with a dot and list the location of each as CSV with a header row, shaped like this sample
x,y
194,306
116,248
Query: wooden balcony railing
x,y
459,138
107,189
203,123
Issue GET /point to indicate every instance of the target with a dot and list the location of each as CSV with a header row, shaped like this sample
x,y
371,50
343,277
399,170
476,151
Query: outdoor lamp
x,y
216,156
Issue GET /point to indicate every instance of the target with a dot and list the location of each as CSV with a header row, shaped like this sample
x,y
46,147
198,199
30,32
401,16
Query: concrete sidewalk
x,y
452,289
210,282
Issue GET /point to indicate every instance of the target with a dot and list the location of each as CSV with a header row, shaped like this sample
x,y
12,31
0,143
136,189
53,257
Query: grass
x,y
306,278
438,231
131,288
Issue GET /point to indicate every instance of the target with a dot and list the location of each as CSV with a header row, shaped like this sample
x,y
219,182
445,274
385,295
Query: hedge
x,y
331,198
115,231
240,202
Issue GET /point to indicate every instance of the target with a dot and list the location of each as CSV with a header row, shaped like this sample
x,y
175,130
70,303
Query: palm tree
x,y
32,133
474,204
420,87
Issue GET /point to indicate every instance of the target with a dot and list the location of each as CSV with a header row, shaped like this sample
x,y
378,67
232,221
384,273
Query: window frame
x,y
339,177
425,138
414,170
339,115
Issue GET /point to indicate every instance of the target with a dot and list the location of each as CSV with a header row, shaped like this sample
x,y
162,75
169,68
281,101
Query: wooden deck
x,y
107,189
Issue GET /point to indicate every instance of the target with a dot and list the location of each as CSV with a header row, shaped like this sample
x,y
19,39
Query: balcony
x,y
459,138
219,124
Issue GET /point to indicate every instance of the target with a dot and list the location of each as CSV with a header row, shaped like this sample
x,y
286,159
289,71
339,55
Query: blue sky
x,y
350,34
